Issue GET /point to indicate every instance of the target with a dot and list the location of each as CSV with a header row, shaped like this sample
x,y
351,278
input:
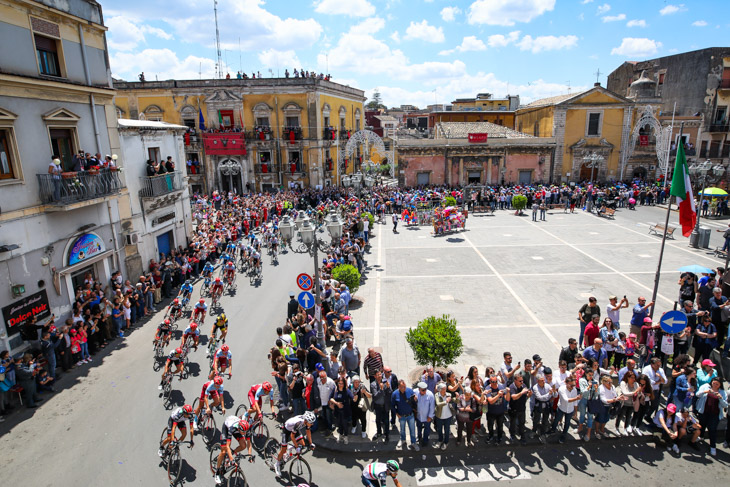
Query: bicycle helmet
x,y
177,301
178,350
218,380
217,279
202,301
187,281
392,466
243,425
266,386
309,417
193,326
224,348
167,321
187,408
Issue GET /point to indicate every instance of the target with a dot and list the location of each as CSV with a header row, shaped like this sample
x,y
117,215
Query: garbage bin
x,y
704,242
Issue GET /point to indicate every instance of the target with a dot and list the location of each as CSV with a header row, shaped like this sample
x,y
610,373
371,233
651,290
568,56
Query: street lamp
x,y
312,245
706,173
592,160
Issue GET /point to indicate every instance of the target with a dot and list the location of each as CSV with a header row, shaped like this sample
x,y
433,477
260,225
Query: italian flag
x,y
682,190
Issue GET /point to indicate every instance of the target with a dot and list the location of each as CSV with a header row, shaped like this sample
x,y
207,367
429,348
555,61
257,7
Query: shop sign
x,y
20,312
86,246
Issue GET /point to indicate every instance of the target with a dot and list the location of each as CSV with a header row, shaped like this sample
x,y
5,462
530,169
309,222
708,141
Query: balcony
x,y
269,168
154,186
77,189
260,134
292,134
344,134
724,84
329,134
329,165
295,168
719,128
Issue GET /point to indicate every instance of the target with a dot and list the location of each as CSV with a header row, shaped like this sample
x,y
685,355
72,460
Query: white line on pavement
x,y
519,274
492,472
476,327
623,274
514,294
379,274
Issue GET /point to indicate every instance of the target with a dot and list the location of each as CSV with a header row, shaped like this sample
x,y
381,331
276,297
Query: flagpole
x,y
664,240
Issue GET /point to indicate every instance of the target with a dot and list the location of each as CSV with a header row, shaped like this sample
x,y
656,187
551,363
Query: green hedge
x,y
347,274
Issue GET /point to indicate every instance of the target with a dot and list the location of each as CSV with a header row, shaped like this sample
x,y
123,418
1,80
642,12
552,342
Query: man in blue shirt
x,y
402,402
425,412
597,353
641,311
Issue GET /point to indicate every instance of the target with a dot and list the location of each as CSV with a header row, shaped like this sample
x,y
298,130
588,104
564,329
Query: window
x,y
265,157
536,129
189,122
225,118
326,121
153,153
63,147
720,115
47,52
594,125
262,121
342,123
292,122
7,158
357,125
661,78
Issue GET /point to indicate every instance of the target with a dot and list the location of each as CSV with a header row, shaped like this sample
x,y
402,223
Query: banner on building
x,y
86,246
643,140
477,137
20,312
228,144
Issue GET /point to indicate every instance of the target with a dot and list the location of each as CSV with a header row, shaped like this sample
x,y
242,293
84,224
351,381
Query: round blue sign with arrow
x,y
306,299
673,321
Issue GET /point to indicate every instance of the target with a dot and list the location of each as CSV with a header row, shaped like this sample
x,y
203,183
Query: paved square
x,y
513,284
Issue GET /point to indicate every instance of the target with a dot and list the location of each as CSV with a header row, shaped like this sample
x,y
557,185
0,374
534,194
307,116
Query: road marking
x,y
593,233
378,280
622,274
479,327
646,256
446,297
537,257
506,234
432,260
492,472
514,294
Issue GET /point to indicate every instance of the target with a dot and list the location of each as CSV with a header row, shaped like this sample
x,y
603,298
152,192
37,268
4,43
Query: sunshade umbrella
x,y
695,269
714,192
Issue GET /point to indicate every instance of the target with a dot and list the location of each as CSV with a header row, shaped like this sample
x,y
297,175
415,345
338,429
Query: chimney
x,y
596,84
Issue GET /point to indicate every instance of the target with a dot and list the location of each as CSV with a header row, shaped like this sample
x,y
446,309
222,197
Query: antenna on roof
x,y
598,75
217,37
568,83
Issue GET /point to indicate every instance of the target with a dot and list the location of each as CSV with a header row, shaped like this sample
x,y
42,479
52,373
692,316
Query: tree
x,y
449,201
376,102
435,341
519,202
347,274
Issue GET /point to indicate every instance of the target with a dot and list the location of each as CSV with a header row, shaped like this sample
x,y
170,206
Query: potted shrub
x,y
519,203
347,274
435,341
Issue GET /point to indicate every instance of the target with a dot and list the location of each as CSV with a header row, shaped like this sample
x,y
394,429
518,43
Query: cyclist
x,y
255,398
222,361
164,332
193,332
231,248
376,474
225,258
174,311
186,290
212,389
230,269
217,288
177,421
199,311
174,358
208,269
233,427
274,243
293,429
256,259
221,323
256,244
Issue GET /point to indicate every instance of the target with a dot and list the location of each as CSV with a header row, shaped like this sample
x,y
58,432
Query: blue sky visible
x,y
413,51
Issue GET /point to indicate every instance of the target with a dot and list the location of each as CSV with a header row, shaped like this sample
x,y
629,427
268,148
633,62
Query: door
x,y
525,177
77,278
63,147
422,178
474,177
163,243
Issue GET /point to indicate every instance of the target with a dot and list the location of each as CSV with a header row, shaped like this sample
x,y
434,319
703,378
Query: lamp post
x,y
311,244
705,173
592,160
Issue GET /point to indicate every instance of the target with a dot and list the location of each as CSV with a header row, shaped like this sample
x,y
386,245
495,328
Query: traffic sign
x,y
673,321
304,281
306,299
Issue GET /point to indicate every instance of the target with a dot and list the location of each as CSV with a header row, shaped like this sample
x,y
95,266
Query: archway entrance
x,y
639,173
230,173
370,147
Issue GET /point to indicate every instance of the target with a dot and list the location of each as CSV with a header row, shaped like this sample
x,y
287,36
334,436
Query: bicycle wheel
x,y
208,429
163,436
214,452
260,435
299,471
156,364
241,409
237,478
271,449
174,465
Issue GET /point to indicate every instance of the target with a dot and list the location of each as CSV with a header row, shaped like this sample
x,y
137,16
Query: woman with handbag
x,y
341,403
607,394
477,393
642,403
589,391
711,403
629,390
466,406
360,404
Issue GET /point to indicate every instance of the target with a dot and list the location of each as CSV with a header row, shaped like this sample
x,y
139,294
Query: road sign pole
x,y
318,302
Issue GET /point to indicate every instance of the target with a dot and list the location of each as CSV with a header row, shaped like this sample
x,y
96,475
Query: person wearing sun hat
x,y
665,421
706,373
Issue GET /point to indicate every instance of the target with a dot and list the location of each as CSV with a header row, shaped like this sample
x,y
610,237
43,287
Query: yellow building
x,y
594,121
484,101
260,134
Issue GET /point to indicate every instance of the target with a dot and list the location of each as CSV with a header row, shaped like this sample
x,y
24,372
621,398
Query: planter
x,y
93,172
68,175
113,168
